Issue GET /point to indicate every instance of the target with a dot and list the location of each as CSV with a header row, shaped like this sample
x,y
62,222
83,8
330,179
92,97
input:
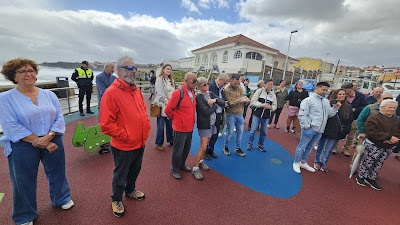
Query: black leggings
x,y
277,113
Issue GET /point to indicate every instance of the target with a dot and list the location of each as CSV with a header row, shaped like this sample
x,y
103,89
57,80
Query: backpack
x,y
180,99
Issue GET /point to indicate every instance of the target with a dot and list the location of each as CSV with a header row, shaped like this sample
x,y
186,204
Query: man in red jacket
x,y
183,119
123,117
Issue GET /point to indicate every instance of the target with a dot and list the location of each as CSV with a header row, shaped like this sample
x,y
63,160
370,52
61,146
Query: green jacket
x,y
370,109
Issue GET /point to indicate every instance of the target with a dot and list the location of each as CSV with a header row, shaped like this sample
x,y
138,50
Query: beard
x,y
130,79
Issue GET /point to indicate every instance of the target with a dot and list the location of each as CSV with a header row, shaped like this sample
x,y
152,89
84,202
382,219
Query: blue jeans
x,y
324,150
160,130
23,164
263,130
234,120
308,139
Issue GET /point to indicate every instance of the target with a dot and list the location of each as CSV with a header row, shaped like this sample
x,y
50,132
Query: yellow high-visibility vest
x,y
82,74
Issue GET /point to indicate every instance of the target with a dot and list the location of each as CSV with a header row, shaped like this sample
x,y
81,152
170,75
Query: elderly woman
x,y
33,126
164,87
383,133
206,117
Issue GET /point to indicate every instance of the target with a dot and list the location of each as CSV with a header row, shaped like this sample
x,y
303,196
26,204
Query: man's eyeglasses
x,y
194,81
387,98
25,72
131,68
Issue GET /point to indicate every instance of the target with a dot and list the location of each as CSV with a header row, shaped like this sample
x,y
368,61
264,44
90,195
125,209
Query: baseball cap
x,y
85,62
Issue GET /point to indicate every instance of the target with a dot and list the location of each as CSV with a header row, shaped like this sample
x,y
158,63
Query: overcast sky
x,y
359,32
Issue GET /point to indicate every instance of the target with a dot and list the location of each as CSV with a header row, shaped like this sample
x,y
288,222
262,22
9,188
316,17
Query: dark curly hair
x,y
10,67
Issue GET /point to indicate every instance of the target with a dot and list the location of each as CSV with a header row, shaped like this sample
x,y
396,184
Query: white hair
x,y
387,101
108,64
121,61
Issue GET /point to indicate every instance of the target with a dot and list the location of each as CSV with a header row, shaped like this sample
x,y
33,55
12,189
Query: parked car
x,y
308,84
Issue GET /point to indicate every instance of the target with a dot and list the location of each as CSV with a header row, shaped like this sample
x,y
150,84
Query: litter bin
x,y
62,82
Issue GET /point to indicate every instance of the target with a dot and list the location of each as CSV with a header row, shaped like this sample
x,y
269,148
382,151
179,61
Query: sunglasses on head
x,y
129,67
387,98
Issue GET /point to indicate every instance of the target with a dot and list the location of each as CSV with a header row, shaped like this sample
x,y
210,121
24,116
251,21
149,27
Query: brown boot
x,y
345,152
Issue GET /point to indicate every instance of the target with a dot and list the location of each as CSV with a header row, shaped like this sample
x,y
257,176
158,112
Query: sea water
x,y
50,74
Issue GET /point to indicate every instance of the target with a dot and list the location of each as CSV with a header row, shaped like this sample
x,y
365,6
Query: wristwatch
x,y
51,133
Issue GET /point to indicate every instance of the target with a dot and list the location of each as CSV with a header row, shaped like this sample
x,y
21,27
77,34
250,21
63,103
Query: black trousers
x,y
82,92
214,137
180,151
277,113
127,167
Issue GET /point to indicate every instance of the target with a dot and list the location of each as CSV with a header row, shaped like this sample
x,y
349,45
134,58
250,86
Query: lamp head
x,y
293,31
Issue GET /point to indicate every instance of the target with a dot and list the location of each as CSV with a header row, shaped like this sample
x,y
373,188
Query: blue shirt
x,y
103,81
20,117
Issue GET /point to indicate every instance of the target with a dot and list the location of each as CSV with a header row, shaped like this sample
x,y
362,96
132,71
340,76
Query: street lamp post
x,y
287,55
272,70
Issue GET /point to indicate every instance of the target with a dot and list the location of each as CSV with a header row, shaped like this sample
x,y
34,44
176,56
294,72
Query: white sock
x,y
201,161
195,168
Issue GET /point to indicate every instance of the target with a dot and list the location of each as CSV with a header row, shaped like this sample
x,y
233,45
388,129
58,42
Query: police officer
x,y
83,77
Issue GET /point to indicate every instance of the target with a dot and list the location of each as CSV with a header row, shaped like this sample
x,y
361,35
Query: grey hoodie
x,y
314,112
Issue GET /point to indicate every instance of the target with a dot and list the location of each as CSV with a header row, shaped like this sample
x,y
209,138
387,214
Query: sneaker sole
x,y
227,153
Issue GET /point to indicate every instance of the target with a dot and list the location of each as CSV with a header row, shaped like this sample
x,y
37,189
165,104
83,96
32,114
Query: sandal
x,y
268,126
276,126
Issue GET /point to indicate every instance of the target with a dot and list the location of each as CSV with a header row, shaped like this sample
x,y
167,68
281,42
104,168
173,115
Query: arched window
x,y
237,55
197,60
253,55
214,58
225,57
276,64
205,59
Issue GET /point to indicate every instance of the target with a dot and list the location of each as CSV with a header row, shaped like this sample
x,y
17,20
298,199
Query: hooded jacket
x,y
314,112
123,116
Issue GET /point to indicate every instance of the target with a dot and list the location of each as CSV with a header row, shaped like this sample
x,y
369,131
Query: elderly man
x,y
123,117
182,111
83,77
217,86
236,98
374,97
103,81
357,101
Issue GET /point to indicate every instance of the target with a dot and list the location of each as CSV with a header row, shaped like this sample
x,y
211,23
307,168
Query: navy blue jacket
x,y
358,103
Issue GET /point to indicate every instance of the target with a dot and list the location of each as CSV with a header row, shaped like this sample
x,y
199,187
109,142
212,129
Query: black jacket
x,y
296,97
204,110
337,127
358,103
82,82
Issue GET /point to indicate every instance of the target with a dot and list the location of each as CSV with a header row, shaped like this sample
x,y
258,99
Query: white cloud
x,y
189,5
365,32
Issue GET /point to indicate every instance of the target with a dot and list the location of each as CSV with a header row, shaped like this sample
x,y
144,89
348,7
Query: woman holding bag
x,y
164,87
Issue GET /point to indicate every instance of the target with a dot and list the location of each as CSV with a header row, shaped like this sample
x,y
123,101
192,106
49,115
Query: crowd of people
x,y
33,126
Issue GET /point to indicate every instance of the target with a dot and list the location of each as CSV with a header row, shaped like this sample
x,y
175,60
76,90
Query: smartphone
x,y
333,101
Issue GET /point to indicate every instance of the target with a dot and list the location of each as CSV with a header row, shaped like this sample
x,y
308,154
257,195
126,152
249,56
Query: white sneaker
x,y
68,205
316,147
296,167
28,223
219,134
307,167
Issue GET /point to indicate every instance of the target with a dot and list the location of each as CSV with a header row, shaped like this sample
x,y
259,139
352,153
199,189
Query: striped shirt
x,y
20,117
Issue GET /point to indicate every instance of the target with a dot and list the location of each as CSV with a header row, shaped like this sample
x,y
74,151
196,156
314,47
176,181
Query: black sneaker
x,y
104,150
240,152
226,151
213,155
89,112
373,184
360,181
261,148
287,129
82,114
207,156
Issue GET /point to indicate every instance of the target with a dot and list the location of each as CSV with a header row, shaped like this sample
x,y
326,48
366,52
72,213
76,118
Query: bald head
x,y
384,96
376,92
190,80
